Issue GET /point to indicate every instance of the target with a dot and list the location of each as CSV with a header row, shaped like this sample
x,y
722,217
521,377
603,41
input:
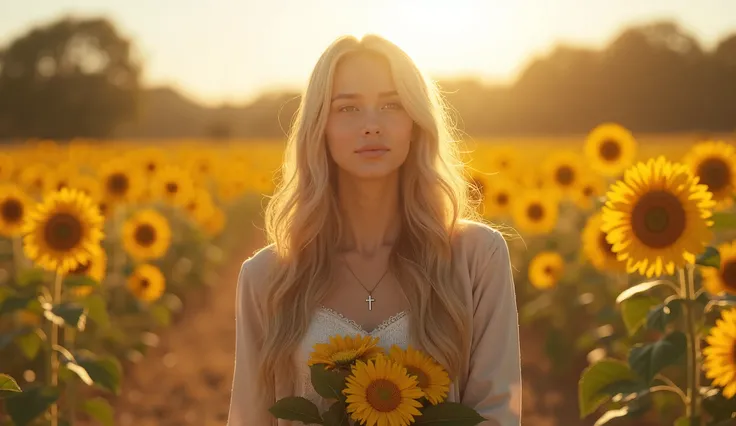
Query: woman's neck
x,y
370,211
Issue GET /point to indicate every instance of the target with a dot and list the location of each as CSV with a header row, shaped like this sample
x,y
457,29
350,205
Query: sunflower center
x,y
565,175
535,212
63,232
145,234
604,244
587,191
151,167
118,184
421,376
383,395
502,199
610,150
728,275
548,270
12,210
714,173
658,219
344,357
145,283
172,187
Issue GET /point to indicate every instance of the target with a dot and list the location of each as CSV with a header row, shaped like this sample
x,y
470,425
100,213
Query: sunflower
x,y
546,269
597,249
720,355
120,182
146,235
95,268
715,164
535,212
656,218
174,185
381,392
342,352
610,148
149,160
723,279
33,178
64,230
502,159
14,206
432,378
200,206
590,189
61,177
147,283
564,169
87,185
497,196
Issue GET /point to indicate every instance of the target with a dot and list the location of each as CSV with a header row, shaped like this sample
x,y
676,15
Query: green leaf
x,y
639,289
30,343
684,421
161,314
97,310
648,360
99,409
596,379
8,384
14,303
80,280
710,257
634,311
72,314
337,415
328,384
612,415
664,313
449,413
723,221
31,277
25,406
296,408
106,372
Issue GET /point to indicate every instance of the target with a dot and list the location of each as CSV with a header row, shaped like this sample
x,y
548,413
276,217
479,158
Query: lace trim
x,y
382,326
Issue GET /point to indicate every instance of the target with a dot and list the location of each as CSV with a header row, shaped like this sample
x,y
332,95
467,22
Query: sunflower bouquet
x,y
372,387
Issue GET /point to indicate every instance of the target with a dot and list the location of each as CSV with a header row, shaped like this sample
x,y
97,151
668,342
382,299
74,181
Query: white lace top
x,y
327,322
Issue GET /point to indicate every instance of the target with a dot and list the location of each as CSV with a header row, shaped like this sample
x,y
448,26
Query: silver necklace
x,y
370,298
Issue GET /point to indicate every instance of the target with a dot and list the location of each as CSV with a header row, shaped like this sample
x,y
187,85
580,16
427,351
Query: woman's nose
x,y
372,125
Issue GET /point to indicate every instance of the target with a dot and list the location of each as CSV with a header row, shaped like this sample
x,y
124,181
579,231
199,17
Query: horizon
x,y
506,37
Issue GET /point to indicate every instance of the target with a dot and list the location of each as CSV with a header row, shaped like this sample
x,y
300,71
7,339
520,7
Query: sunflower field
x,y
624,254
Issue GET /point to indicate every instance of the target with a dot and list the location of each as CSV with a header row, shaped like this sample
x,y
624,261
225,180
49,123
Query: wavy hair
x,y
303,223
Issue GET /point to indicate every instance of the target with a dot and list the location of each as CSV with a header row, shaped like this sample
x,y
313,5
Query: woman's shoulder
x,y
258,265
477,238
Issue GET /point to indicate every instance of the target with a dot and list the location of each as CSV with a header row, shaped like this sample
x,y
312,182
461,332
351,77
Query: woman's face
x,y
368,131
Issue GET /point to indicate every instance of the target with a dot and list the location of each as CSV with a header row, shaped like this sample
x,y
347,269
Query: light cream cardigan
x,y
491,384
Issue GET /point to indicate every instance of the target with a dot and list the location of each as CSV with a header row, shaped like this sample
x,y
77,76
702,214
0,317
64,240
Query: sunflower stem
x,y
693,347
54,354
17,257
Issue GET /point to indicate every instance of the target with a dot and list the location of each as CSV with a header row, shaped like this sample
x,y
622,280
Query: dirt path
x,y
186,380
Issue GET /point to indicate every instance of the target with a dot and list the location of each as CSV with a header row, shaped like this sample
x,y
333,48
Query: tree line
x,y
80,78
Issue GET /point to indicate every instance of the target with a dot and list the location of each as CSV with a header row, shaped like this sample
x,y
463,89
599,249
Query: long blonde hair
x,y
303,224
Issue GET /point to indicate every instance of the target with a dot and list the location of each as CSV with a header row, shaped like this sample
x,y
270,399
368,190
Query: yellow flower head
x,y
720,354
432,378
95,268
147,283
715,164
656,218
564,169
14,206
64,230
381,392
546,269
146,235
723,279
120,182
597,248
535,212
342,352
610,148
174,185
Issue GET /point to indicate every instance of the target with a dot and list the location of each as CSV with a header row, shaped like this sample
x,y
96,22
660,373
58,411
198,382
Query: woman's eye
x,y
393,105
347,108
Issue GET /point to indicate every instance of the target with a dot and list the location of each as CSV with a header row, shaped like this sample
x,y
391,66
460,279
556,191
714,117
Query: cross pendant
x,y
370,301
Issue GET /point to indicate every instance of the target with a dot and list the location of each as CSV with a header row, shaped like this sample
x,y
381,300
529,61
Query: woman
x,y
371,233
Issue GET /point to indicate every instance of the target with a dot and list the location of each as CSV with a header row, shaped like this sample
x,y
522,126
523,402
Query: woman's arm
x,y
245,409
494,380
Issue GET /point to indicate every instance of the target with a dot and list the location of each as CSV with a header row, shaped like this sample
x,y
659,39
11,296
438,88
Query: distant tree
x,y
70,78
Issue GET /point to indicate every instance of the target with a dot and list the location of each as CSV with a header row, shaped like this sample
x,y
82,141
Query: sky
x,y
231,51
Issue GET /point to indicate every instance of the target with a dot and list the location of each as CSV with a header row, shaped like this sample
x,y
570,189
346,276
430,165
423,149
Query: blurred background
x,y
170,121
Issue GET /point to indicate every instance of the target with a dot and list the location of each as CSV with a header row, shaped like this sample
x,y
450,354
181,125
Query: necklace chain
x,y
370,292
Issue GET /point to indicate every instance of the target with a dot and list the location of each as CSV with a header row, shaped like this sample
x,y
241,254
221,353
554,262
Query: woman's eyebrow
x,y
358,95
